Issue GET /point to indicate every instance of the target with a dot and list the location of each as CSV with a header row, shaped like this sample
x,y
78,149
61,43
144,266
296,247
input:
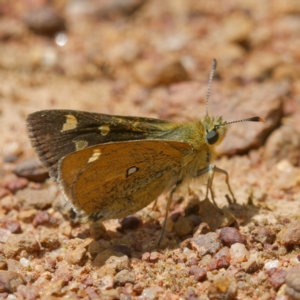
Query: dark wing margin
x,y
52,139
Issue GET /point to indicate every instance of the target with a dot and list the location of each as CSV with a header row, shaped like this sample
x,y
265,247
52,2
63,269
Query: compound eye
x,y
212,137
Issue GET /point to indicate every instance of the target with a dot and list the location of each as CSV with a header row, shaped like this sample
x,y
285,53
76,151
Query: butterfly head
x,y
215,129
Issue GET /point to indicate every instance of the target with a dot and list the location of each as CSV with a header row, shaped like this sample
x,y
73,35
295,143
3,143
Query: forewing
x,y
57,133
116,179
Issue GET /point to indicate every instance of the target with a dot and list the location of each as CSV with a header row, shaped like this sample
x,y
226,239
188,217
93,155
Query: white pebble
x,y
272,264
24,262
239,253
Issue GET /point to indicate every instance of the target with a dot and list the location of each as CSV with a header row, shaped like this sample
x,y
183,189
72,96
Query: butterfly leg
x,y
154,204
211,169
227,181
167,210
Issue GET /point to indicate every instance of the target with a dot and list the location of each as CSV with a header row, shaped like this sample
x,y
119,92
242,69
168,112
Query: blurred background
x,y
152,58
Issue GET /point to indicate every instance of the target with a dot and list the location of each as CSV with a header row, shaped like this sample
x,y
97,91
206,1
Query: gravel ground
x,y
152,58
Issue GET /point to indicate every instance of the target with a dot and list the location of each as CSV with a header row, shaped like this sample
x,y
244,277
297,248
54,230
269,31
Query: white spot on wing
x,y
104,129
71,123
95,156
131,170
81,145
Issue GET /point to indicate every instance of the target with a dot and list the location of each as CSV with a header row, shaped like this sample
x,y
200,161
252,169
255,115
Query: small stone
x,y
138,288
118,263
154,257
16,184
184,226
105,283
192,207
206,243
97,230
251,266
32,170
292,281
9,281
199,273
290,234
130,222
283,143
276,277
263,235
4,235
146,256
220,260
48,238
151,293
39,199
223,287
124,277
238,252
13,226
18,242
45,20
271,264
230,236
3,192
164,72
109,295
123,249
42,217
3,261
97,246
28,293
203,228
28,215
77,256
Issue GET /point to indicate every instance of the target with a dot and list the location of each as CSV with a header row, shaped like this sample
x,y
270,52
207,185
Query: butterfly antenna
x,y
253,119
213,68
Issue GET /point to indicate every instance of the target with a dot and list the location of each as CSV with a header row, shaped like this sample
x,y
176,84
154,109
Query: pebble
x,y
9,281
271,264
220,260
3,192
206,243
105,283
151,293
18,242
164,72
28,292
13,226
276,277
123,277
16,184
119,263
48,238
32,170
290,234
4,235
39,199
28,215
283,143
263,235
42,217
184,226
130,222
45,20
77,256
203,228
223,287
97,230
292,281
230,236
123,249
3,261
239,253
198,273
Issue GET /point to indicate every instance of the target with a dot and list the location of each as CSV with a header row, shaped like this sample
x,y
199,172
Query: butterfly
x,y
112,166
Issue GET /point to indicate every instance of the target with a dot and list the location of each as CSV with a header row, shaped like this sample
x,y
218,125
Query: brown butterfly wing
x,y
117,179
